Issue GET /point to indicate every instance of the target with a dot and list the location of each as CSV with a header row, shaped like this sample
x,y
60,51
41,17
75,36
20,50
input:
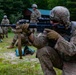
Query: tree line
x,y
14,8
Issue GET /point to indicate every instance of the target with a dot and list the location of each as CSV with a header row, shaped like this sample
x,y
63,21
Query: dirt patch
x,y
13,59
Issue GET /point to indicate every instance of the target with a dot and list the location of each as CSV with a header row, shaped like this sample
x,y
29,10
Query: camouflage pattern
x,y
60,14
24,39
14,39
34,16
61,56
5,29
1,32
49,58
40,41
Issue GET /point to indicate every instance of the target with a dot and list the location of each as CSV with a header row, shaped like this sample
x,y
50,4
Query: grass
x,y
12,65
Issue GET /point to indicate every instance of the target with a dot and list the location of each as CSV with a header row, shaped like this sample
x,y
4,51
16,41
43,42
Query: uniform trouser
x,y
1,37
14,39
23,39
49,58
1,33
5,31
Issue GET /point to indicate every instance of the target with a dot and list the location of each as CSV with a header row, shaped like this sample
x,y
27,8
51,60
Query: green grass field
x,y
10,64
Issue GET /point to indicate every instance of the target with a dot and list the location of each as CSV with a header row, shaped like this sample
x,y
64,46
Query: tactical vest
x,y
66,34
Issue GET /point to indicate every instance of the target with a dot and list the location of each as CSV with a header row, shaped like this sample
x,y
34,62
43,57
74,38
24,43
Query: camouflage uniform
x,y
24,39
5,29
35,15
34,18
1,32
14,39
62,54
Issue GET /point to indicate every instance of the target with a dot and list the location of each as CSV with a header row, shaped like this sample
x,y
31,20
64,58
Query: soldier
x,y
5,21
35,14
56,48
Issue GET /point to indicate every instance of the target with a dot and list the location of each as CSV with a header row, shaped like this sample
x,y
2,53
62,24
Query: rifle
x,y
41,25
32,25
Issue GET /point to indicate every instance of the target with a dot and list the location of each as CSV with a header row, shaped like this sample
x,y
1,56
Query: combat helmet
x,y
5,16
34,5
60,14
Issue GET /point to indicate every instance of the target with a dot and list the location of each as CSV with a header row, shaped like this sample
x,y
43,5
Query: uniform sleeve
x,y
73,39
39,41
32,15
8,21
66,47
38,14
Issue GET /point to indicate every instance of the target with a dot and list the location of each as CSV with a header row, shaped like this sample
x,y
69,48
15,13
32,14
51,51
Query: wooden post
x,y
19,45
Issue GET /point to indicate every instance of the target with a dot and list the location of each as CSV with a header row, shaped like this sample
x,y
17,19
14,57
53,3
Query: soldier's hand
x,y
51,34
24,27
17,30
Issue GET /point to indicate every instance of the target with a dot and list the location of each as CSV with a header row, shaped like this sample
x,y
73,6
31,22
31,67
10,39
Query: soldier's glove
x,y
24,27
17,30
51,34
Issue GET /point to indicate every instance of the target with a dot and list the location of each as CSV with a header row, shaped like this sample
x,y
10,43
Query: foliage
x,y
22,68
1,14
14,17
53,3
14,8
71,4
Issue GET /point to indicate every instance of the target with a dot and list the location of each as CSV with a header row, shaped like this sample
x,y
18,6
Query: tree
x,y
53,3
71,4
13,8
42,4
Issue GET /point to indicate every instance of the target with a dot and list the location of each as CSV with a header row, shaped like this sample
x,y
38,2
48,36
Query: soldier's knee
x,y
44,51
